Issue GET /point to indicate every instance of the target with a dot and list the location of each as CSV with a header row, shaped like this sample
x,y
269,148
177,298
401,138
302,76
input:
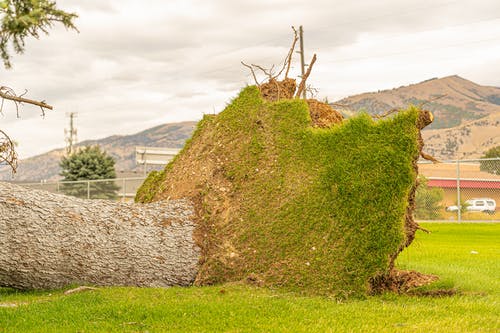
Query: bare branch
x,y
79,290
423,229
312,90
253,73
7,93
8,154
288,59
302,84
265,71
292,49
429,157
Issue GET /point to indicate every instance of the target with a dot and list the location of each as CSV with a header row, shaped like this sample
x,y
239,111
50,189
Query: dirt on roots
x,y
275,90
322,114
401,282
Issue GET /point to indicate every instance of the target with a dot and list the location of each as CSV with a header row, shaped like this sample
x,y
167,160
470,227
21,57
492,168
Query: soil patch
x,y
322,114
400,281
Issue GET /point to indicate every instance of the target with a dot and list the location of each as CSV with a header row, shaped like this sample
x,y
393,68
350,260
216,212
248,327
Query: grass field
x,y
466,257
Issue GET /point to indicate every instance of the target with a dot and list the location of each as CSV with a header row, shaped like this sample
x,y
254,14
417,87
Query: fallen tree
x,y
50,241
285,194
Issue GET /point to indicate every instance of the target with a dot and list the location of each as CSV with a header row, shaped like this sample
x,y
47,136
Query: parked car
x,y
486,205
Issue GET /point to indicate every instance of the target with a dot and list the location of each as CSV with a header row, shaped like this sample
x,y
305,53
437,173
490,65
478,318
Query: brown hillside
x,y
469,140
462,100
120,147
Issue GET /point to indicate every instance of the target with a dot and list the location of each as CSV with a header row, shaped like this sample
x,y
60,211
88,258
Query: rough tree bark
x,y
49,241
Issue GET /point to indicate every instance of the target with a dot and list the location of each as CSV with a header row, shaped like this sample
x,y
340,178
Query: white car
x,y
486,205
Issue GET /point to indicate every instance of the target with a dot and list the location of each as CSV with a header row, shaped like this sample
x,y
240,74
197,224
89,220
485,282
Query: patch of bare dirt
x,y
401,282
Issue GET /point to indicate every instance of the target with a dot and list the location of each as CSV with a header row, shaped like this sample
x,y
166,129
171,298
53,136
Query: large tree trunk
x,y
49,241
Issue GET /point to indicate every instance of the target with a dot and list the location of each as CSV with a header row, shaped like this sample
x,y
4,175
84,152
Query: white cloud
x,y
139,64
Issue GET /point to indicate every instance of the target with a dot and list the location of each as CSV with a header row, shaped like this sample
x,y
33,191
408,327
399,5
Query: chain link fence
x,y
123,189
459,190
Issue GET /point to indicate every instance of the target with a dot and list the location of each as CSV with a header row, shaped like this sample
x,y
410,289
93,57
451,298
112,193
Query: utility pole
x,y
70,135
302,63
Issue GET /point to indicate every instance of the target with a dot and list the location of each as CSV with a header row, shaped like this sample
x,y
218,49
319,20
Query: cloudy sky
x,y
138,64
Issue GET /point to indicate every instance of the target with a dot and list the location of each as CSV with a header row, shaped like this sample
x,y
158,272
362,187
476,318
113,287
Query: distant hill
x,y
467,115
467,123
453,100
467,141
120,147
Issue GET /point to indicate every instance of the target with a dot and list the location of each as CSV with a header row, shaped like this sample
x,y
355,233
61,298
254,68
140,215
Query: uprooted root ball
x,y
275,90
322,114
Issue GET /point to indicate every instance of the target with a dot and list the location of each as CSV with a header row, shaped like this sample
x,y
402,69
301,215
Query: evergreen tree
x,y
20,19
492,166
28,18
89,163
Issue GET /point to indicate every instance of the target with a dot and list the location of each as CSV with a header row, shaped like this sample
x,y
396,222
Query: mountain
x,y
467,123
453,100
120,147
466,114
467,141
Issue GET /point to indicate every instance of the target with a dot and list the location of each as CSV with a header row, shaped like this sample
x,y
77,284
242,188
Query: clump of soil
x,y
322,114
400,281
275,90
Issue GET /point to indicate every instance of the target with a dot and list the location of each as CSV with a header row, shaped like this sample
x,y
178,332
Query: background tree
x,y
491,166
20,19
89,163
428,201
28,18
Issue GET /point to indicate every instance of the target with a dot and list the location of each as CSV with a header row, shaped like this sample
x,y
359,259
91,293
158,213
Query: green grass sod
x,y
465,256
295,196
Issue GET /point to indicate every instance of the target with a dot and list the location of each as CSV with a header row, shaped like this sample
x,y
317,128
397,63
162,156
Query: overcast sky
x,y
138,64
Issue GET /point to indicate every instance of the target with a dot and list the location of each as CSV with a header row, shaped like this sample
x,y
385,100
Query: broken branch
x,y
253,73
19,99
288,59
302,85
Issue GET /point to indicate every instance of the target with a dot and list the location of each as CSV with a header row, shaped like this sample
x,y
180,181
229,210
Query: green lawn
x,y
465,256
